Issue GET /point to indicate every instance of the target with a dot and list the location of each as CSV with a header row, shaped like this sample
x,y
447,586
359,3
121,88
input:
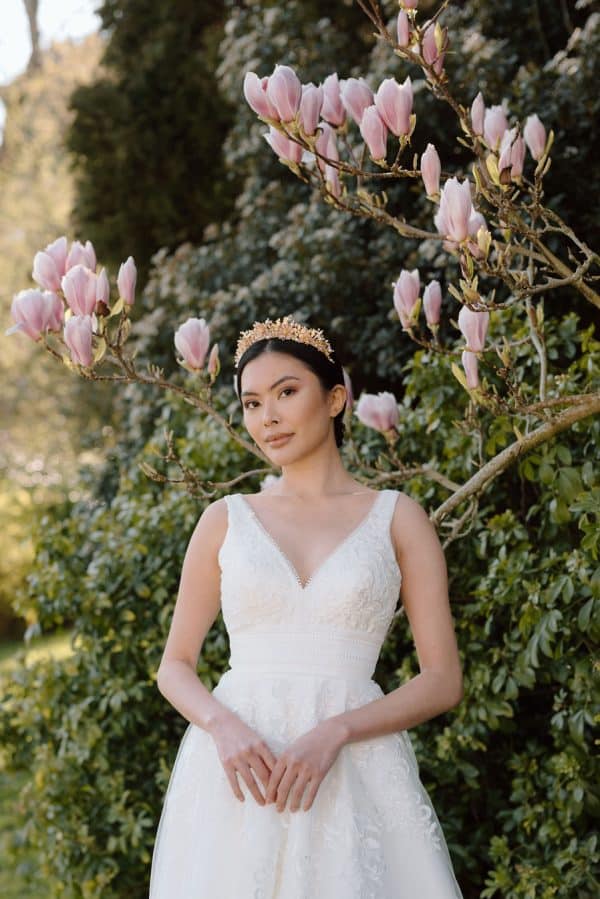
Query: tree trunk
x,y
31,8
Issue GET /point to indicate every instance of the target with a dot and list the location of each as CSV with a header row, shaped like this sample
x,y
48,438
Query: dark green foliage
x,y
146,136
544,58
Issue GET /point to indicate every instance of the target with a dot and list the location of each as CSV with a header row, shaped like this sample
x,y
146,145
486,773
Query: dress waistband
x,y
304,653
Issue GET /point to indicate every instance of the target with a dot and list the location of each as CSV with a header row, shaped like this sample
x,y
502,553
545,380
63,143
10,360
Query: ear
x,y
337,398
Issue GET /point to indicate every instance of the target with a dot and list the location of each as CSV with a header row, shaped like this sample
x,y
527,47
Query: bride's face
x,y
282,395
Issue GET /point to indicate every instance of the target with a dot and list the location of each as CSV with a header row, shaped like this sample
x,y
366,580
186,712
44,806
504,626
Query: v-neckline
x,y
305,586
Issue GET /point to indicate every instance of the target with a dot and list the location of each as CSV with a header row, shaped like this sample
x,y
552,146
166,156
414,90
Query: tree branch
x,y
590,405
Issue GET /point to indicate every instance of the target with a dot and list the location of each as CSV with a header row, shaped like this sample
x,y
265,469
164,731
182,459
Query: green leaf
x,y
585,614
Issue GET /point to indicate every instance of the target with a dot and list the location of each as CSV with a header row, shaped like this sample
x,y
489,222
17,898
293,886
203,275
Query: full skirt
x,y
371,832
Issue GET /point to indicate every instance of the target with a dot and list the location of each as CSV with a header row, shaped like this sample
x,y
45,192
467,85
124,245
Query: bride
x,y
307,573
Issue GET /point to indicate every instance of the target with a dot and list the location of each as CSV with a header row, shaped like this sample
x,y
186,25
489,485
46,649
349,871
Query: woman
x,y
296,776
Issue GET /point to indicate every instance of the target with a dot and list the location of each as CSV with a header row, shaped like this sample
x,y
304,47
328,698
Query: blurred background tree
x,y
146,138
47,417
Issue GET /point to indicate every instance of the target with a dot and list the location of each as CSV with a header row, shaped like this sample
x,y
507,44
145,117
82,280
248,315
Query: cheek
x,y
314,414
249,421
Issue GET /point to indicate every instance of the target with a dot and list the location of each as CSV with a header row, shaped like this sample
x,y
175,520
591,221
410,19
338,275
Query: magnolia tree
x,y
339,137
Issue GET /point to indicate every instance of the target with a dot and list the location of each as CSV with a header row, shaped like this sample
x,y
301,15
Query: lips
x,y
280,440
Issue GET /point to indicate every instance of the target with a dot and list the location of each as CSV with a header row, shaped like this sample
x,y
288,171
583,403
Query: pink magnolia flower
x,y
284,90
431,169
58,250
192,339
333,109
79,288
126,280
406,294
456,208
478,114
432,302
378,411
45,271
102,287
474,326
494,125
78,338
81,255
285,148
512,153
409,4
394,104
49,264
326,145
535,136
470,365
432,53
403,29
332,180
374,132
310,107
35,312
255,92
356,96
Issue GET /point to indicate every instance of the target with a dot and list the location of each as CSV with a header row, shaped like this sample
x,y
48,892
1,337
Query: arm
x,y
424,594
196,609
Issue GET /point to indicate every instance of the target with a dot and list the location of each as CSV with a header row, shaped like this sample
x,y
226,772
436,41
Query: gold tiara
x,y
286,329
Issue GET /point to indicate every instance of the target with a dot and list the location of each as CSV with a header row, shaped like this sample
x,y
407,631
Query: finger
x,y
232,778
313,786
248,776
284,788
260,769
296,792
274,780
269,758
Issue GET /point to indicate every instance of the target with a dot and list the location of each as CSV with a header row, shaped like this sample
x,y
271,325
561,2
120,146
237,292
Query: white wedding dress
x,y
301,653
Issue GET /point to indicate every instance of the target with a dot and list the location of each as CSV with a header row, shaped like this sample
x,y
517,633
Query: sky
x,y
57,19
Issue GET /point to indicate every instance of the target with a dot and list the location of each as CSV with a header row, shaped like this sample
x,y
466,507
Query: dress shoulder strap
x,y
235,524
386,505
232,501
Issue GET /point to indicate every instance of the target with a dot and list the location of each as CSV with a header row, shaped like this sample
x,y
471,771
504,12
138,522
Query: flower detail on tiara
x,y
286,329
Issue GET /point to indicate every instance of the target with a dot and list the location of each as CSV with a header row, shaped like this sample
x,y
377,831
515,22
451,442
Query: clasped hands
x,y
301,767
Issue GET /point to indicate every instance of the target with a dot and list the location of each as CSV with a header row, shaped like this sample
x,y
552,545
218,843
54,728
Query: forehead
x,y
268,369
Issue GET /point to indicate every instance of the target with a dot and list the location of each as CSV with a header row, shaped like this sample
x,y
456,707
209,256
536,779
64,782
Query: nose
x,y
269,412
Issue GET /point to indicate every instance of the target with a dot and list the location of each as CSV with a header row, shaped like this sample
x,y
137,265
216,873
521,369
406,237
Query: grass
x,y
21,880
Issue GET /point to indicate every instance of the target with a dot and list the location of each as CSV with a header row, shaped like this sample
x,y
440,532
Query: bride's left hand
x,y
304,762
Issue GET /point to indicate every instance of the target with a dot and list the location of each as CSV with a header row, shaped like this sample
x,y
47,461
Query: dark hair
x,y
328,373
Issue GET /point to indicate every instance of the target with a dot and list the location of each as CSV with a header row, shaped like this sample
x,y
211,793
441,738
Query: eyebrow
x,y
278,381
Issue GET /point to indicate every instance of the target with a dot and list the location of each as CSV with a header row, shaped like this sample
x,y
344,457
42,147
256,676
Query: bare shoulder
x,y
411,525
211,526
199,595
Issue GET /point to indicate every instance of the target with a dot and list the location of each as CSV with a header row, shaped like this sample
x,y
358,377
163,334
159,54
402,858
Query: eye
x,y
248,405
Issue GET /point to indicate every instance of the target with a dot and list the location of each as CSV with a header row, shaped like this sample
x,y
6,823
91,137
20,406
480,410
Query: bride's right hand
x,y
242,751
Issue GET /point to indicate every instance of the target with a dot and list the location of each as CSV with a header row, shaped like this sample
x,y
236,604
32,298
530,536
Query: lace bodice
x,y
348,601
